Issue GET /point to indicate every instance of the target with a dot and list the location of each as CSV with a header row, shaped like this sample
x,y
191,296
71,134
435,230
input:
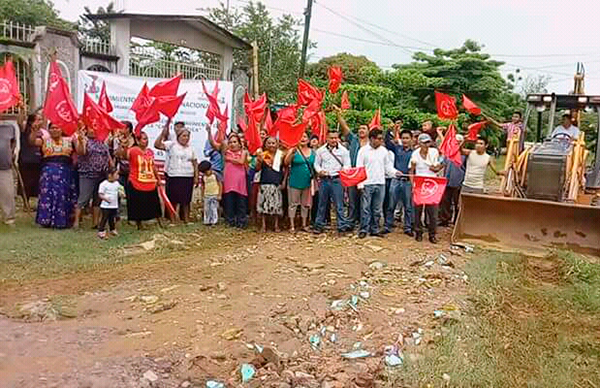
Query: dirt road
x,y
189,317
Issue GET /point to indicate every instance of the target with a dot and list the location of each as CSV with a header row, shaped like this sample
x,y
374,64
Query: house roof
x,y
196,21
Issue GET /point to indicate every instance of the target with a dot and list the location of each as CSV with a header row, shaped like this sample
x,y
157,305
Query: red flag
x,y
9,87
95,117
242,124
335,79
271,129
446,106
255,108
319,126
253,135
428,190
474,130
470,106
166,201
103,100
450,147
59,107
169,105
222,127
345,101
353,176
166,88
376,120
308,93
291,133
148,116
142,102
213,110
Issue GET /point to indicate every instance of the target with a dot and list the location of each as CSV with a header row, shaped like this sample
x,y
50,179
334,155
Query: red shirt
x,y
141,169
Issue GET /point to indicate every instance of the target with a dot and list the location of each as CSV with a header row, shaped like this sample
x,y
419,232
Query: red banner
x,y
95,117
59,107
169,105
450,147
470,106
428,190
345,101
376,120
9,87
446,106
335,79
307,93
166,88
103,100
474,130
142,102
353,176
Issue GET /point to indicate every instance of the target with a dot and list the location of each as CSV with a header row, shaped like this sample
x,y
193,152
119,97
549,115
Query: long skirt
x,y
180,190
270,200
142,205
30,172
57,197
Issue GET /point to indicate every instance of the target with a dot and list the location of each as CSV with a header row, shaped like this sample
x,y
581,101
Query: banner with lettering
x,y
122,91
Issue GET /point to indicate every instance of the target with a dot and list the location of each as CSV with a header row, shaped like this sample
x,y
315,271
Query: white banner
x,y
122,91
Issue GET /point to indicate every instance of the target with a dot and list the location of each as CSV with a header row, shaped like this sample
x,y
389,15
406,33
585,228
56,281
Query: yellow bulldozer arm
x,y
527,225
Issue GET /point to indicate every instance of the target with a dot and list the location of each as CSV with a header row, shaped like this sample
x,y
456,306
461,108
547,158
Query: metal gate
x,y
24,77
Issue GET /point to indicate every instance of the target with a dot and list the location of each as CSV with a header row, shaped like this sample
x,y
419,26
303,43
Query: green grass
x,y
531,323
30,252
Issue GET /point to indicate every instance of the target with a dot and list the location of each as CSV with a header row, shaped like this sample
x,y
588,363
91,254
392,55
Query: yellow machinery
x,y
549,198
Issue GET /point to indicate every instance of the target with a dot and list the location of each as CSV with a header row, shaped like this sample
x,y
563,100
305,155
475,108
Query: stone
x,y
148,245
186,384
150,376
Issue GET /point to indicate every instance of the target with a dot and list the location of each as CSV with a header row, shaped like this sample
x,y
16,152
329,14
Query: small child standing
x,y
212,190
109,192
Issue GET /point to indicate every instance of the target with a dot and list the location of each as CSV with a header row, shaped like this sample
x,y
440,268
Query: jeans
x,y
371,208
235,207
354,202
400,192
449,207
430,219
211,210
331,188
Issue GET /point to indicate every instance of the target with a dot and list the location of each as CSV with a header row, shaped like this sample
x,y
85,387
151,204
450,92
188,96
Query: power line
x,y
273,8
368,40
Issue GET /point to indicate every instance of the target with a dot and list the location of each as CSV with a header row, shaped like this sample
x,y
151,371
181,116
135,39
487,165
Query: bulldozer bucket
x,y
526,225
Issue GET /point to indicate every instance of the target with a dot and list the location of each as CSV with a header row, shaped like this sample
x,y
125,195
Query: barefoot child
x,y
109,192
212,190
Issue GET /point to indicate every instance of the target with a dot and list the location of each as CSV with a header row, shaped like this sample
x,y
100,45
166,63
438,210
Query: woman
x,y
57,196
301,160
235,190
270,200
93,163
30,157
143,203
181,172
125,136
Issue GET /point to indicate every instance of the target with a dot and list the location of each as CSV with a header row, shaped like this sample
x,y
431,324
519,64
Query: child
x,y
212,190
109,192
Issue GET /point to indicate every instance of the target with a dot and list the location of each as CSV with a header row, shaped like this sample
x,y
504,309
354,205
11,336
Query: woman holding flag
x,y
57,191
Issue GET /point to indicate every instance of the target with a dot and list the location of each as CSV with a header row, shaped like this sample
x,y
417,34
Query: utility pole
x,y
307,15
255,68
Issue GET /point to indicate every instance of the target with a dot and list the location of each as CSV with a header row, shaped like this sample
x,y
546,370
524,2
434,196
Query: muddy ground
x,y
187,318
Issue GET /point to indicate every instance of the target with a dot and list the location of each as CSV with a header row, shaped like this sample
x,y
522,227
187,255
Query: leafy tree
x,y
32,12
279,46
95,29
355,68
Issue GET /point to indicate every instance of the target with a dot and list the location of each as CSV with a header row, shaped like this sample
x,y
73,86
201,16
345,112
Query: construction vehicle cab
x,y
550,195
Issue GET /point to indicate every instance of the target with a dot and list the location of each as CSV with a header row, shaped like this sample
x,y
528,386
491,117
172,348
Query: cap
x,y
424,138
459,137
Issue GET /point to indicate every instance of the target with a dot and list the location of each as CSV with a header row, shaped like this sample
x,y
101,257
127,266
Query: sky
x,y
539,37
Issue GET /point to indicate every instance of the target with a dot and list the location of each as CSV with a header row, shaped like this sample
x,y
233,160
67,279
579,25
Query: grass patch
x,y
531,323
30,252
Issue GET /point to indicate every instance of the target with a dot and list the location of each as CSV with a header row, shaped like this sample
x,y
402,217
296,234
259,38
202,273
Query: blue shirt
x,y
455,174
401,155
353,147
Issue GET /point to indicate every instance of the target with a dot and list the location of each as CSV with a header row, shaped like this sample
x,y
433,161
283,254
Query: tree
x,y
98,30
33,12
355,68
279,46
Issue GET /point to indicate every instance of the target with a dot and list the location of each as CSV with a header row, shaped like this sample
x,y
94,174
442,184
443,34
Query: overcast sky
x,y
538,36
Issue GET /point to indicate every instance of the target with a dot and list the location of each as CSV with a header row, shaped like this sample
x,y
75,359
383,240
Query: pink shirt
x,y
234,176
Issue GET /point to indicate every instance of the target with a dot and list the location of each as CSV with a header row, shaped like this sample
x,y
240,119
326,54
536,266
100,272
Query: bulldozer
x,y
549,197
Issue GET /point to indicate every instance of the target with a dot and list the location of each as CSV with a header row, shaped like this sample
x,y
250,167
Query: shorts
x,y
88,191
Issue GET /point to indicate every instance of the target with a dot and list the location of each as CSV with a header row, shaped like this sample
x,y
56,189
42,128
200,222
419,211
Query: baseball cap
x,y
459,137
424,138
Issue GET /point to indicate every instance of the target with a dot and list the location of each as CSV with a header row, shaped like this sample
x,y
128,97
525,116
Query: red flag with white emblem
x,y
428,190
59,107
446,106
103,100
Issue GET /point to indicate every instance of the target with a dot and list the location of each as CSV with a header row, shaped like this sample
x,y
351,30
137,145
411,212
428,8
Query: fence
x,y
16,31
149,62
93,46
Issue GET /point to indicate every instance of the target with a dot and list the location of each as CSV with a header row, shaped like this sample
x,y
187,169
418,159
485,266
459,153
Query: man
x,y
354,144
428,128
330,159
566,131
515,127
477,163
374,158
455,176
425,162
400,187
9,150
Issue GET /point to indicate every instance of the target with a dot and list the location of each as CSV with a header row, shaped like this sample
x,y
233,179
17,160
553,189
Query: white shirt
x,y
422,165
110,190
572,131
475,173
376,162
327,163
392,157
180,159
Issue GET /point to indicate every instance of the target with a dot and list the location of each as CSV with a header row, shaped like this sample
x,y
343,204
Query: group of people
x,y
69,174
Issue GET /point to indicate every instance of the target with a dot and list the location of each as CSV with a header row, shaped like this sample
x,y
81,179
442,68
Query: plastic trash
x,y
315,341
247,371
357,354
357,345
214,384
333,338
393,360
438,314
259,349
338,304
365,294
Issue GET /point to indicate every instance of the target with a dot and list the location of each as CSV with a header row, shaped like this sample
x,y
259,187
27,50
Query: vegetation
x,y
95,29
531,322
33,12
